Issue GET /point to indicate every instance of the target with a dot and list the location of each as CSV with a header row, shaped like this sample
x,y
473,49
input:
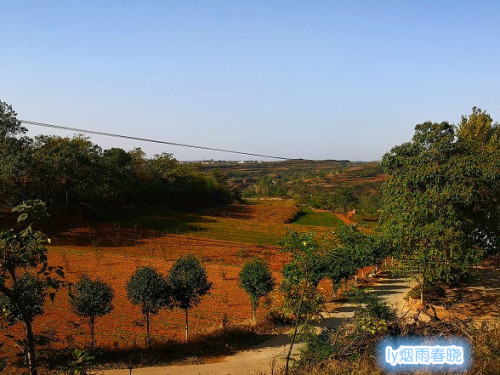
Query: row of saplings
x,y
187,280
26,278
183,287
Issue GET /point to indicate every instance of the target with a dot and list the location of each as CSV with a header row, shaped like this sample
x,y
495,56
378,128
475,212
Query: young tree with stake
x,y
188,282
148,289
92,298
256,279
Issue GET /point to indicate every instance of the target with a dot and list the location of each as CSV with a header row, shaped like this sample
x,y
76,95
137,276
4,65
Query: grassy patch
x,y
261,223
319,219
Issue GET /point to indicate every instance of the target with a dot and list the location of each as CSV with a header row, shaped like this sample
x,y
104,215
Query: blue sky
x,y
302,79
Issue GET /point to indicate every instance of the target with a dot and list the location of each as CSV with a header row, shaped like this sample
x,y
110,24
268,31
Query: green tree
x,y
301,276
256,279
13,155
440,211
149,289
188,282
92,298
344,199
25,275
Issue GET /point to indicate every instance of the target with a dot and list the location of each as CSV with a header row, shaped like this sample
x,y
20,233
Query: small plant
x,y
80,363
92,298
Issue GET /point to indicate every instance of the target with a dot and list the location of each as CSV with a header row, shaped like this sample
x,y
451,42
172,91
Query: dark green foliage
x,y
148,289
256,279
344,199
22,291
74,171
301,277
188,282
29,291
92,298
441,200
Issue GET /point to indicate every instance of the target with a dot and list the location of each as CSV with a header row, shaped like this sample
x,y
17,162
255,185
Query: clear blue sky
x,y
310,79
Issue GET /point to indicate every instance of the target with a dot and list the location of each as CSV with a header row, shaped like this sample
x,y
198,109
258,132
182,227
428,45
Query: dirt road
x,y
262,359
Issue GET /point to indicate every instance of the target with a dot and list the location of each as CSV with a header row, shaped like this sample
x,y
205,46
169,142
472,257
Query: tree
x,y
188,282
92,298
25,275
13,158
344,199
256,279
339,264
301,276
441,201
149,289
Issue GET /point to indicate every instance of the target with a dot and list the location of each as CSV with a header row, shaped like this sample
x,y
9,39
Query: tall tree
x,y
14,157
92,298
256,279
25,275
435,202
148,289
188,282
301,277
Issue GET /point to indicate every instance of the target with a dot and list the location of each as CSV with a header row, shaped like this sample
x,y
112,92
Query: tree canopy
x,y
188,281
92,298
441,199
148,289
256,279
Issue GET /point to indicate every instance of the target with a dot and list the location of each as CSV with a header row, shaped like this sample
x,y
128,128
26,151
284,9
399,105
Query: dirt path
x,y
265,357
345,218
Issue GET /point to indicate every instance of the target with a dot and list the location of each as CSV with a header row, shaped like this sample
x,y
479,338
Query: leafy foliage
x,y
28,291
148,289
256,279
91,299
74,171
438,200
25,275
188,282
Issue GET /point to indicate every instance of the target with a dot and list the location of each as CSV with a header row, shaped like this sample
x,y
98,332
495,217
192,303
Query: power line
x,y
45,125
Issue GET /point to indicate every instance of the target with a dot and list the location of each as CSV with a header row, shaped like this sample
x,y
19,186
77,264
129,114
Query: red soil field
x,y
112,253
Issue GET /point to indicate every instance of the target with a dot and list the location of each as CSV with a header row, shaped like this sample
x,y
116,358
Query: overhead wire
x,y
115,135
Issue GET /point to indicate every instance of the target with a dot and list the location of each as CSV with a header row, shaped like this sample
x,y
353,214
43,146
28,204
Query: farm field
x,y
312,217
224,239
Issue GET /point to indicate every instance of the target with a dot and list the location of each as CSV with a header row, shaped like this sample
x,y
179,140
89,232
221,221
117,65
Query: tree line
x,y
65,172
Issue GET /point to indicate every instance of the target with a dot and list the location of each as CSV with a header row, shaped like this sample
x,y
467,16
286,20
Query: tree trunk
x,y
30,355
187,325
295,328
254,319
422,291
147,330
92,321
